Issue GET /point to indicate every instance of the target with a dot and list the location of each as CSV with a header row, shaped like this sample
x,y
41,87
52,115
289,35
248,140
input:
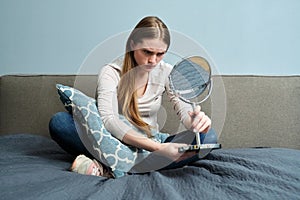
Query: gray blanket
x,y
34,167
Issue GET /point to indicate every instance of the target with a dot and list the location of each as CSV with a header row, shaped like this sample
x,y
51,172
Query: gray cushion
x,y
259,110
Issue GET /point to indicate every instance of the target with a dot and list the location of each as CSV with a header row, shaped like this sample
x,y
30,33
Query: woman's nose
x,y
152,59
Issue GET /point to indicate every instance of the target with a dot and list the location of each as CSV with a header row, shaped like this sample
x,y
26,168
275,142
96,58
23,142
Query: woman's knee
x,y
210,137
60,122
63,131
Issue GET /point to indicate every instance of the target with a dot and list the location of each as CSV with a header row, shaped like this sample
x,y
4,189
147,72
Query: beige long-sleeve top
x,y
149,104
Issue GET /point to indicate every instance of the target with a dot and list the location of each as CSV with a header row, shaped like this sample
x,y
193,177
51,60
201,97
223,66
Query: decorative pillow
x,y
105,148
64,97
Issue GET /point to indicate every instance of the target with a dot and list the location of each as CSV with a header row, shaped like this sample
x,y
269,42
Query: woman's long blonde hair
x,y
148,28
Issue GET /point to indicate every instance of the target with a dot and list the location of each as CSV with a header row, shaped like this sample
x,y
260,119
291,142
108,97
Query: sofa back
x,y
246,111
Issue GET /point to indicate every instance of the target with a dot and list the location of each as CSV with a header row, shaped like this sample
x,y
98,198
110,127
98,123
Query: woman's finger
x,y
197,110
205,127
197,119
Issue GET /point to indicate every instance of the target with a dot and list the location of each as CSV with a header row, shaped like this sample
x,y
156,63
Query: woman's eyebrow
x,y
152,52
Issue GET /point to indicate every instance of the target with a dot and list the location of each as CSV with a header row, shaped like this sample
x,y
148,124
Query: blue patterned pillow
x,y
64,97
106,148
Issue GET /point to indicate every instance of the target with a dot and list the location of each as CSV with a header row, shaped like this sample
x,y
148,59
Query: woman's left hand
x,y
200,121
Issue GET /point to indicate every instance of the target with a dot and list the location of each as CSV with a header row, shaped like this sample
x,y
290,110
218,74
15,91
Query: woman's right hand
x,y
170,150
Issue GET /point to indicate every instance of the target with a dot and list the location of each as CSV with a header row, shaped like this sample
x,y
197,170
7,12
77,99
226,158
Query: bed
x,y
35,167
259,159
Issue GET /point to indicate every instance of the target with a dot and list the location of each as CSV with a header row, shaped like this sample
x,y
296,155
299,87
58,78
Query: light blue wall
x,y
242,36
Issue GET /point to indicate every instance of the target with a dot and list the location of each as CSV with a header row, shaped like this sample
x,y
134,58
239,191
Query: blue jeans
x,y
157,162
63,131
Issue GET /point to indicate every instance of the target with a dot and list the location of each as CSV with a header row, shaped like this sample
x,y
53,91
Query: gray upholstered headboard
x,y
247,111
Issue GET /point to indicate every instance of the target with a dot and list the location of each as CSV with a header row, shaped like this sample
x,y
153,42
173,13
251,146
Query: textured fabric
x,y
34,167
105,148
258,110
149,104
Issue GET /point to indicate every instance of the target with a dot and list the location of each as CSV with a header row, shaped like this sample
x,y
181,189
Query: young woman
x,y
134,89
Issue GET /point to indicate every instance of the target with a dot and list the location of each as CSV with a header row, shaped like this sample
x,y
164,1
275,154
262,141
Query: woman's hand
x,y
170,150
200,121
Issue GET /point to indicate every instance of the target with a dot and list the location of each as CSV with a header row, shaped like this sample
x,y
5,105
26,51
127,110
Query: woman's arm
x,y
108,80
169,150
140,141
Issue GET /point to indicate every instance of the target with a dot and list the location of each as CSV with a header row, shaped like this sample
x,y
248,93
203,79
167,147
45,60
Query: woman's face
x,y
149,52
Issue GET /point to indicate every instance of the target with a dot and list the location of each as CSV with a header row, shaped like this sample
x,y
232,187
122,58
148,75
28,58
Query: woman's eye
x,y
147,52
150,53
160,54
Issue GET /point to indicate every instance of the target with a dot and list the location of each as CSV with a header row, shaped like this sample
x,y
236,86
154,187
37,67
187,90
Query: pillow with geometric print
x,y
103,146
